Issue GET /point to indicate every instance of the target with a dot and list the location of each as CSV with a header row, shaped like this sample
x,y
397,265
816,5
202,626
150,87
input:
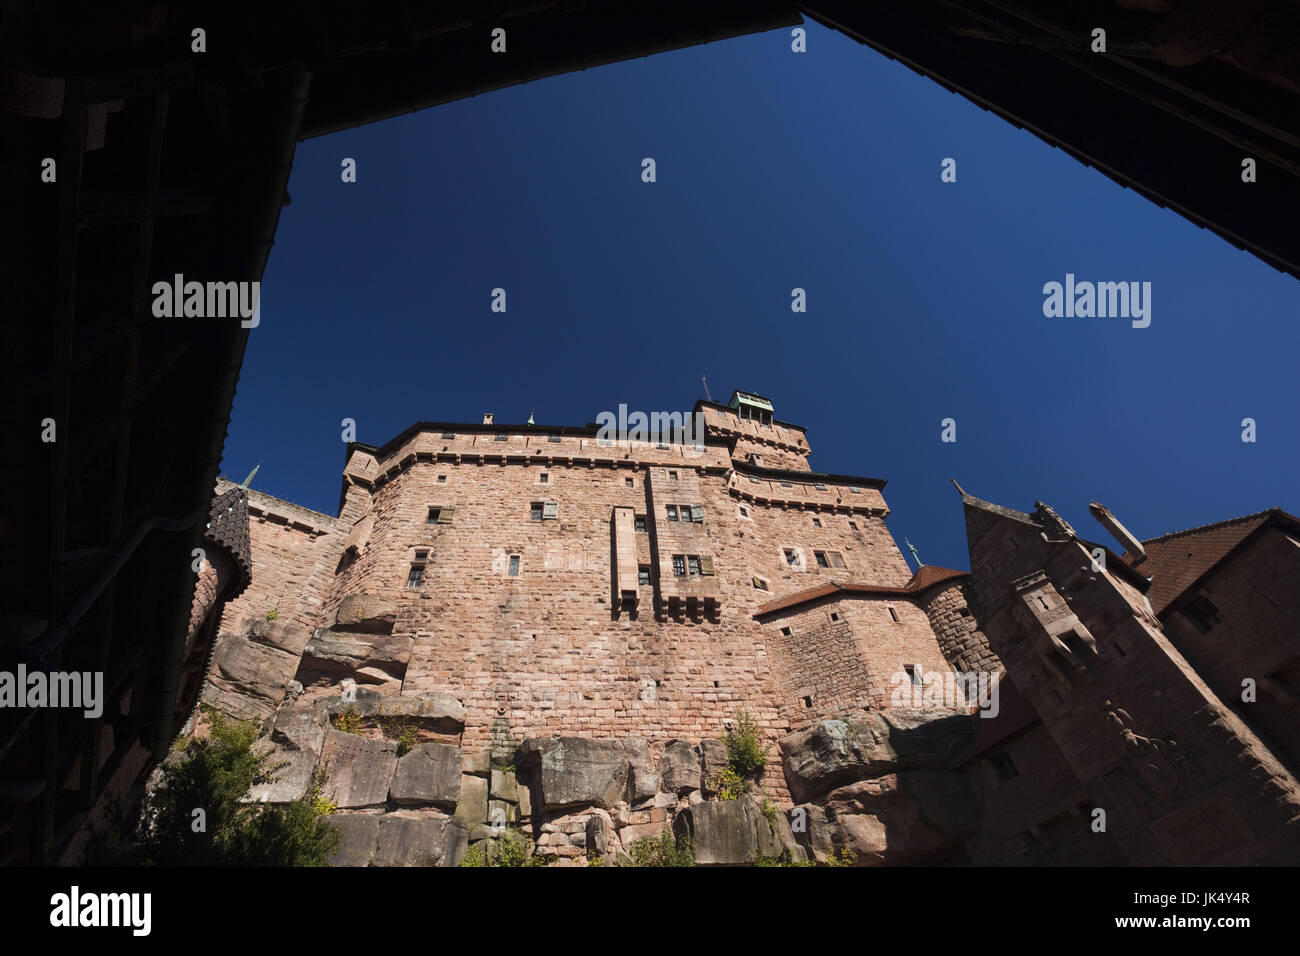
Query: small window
x,y
836,560
822,562
514,565
964,611
693,564
638,523
553,438
672,512
416,575
535,511
696,512
785,483
817,522
550,509
834,616
679,565
744,512
721,413
819,485
672,475
807,701
643,574
448,436
760,584
628,482
500,437
853,525
785,632
432,517
913,673
442,479
544,478
791,558
893,615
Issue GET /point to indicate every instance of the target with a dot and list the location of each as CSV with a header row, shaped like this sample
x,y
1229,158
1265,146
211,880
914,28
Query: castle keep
x,y
562,625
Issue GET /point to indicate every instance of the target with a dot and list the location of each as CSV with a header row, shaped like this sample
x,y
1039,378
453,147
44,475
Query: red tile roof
x,y
926,577
1176,561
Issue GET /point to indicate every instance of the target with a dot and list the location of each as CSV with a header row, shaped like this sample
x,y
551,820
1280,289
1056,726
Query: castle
x,y
560,625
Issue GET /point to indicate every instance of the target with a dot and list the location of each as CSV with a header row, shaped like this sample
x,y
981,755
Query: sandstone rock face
x,y
713,759
577,771
836,752
247,680
367,613
411,839
912,817
725,831
332,652
472,807
296,741
812,831
360,770
360,833
428,776
680,767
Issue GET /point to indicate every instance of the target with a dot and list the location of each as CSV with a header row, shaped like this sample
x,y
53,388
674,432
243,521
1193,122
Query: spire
x,y
530,418
915,557
249,480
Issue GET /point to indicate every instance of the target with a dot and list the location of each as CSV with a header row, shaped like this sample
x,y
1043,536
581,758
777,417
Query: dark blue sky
x,y
775,170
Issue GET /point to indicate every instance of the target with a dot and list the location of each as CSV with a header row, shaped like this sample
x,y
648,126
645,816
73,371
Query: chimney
x,y
487,418
1120,533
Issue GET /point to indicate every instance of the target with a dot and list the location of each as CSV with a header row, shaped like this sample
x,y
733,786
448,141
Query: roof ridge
x,y
1213,524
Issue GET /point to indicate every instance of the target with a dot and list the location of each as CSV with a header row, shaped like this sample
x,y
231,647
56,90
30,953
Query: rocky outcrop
x,y
403,838
428,776
913,817
680,767
295,746
359,770
577,771
836,752
366,613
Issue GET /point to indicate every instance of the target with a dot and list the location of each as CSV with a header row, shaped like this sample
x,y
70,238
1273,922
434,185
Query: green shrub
x,y
746,750
273,615
845,857
509,849
348,721
215,775
665,851
785,859
728,784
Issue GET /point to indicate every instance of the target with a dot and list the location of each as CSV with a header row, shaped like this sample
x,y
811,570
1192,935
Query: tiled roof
x,y
1176,561
926,577
228,530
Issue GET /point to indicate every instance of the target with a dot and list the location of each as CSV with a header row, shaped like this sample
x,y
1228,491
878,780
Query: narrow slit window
x,y
514,565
